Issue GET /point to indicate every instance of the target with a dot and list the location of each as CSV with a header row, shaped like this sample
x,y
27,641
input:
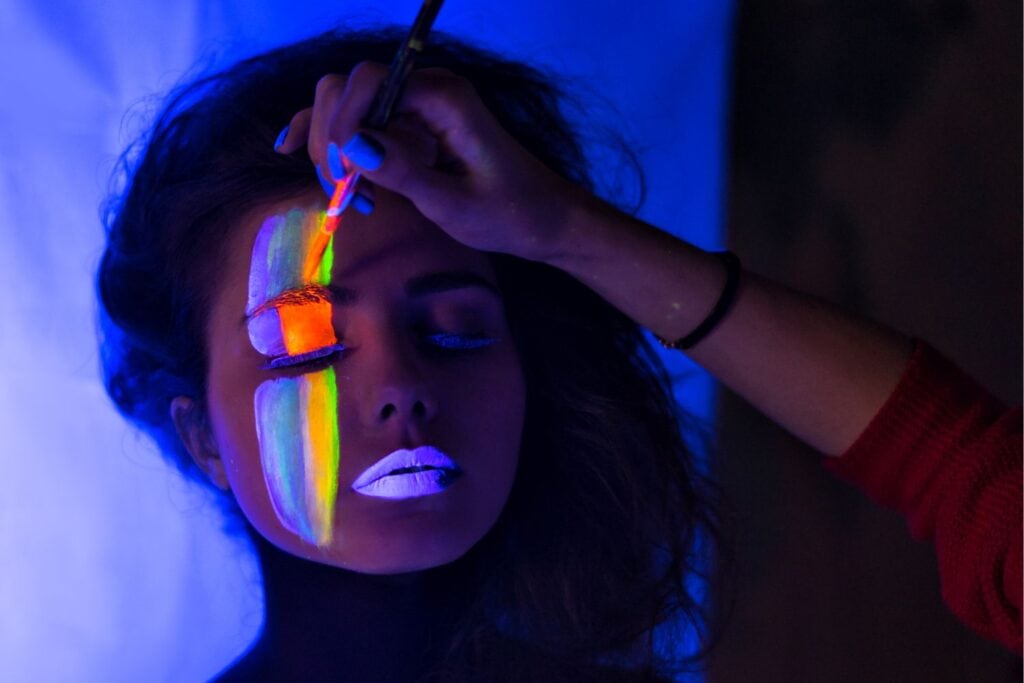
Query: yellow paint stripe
x,y
320,441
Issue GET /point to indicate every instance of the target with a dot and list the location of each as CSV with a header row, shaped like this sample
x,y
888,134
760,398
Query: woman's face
x,y
408,359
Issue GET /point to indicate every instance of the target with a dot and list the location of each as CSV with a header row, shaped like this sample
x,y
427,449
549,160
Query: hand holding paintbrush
x,y
382,107
446,153
380,113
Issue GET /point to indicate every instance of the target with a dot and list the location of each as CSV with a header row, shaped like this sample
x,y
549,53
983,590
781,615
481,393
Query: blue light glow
x,y
102,548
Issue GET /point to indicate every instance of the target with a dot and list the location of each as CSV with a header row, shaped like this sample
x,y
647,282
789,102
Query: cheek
x,y
493,406
484,398
232,417
492,409
504,388
489,402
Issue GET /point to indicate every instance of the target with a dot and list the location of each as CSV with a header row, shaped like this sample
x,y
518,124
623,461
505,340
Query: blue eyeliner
x,y
462,341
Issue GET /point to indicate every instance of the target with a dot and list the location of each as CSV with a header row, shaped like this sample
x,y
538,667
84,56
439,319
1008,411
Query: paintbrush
x,y
381,108
384,101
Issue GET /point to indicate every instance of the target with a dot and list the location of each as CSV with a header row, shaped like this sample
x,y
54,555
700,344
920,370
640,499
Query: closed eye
x,y
317,357
444,341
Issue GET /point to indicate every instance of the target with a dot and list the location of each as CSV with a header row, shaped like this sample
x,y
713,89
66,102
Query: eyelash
x,y
464,343
317,357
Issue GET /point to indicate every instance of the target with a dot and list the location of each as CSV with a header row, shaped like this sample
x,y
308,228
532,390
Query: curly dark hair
x,y
637,518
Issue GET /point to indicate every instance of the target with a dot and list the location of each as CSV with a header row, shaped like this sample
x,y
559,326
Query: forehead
x,y
394,243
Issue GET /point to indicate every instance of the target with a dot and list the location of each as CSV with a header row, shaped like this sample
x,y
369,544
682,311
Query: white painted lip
x,y
380,480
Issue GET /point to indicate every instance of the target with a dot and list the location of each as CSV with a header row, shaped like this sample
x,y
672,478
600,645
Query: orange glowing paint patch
x,y
306,326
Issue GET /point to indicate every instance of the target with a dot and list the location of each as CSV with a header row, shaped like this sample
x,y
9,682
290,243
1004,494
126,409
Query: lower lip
x,y
410,485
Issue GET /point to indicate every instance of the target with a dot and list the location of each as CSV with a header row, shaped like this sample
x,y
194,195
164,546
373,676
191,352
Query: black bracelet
x,y
732,282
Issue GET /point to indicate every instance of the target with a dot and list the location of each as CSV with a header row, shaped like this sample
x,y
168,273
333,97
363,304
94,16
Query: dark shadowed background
x,y
876,161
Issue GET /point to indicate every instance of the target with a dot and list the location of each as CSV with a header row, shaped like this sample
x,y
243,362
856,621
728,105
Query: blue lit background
x,y
111,569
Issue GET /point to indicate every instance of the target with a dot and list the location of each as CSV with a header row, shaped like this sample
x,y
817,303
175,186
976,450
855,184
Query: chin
x,y
407,542
400,545
409,557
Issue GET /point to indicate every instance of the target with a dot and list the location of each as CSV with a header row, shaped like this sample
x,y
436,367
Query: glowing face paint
x,y
289,315
289,310
297,427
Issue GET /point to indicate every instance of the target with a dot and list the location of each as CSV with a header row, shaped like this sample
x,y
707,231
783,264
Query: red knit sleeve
x,y
947,454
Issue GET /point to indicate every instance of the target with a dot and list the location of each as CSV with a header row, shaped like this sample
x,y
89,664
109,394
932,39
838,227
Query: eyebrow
x,y
419,286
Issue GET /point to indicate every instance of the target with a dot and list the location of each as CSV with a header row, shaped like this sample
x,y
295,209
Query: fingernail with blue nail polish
x,y
334,161
364,151
363,205
325,183
281,136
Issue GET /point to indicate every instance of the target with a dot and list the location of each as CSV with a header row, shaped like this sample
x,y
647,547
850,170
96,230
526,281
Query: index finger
x,y
341,103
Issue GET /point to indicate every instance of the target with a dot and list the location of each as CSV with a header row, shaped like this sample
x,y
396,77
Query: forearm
x,y
817,371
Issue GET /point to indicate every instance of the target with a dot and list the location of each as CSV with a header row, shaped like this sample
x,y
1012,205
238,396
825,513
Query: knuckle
x,y
330,84
460,93
367,72
453,86
447,83
302,117
461,86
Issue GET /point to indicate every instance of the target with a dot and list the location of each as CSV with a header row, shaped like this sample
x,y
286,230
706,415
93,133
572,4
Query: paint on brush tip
x,y
297,429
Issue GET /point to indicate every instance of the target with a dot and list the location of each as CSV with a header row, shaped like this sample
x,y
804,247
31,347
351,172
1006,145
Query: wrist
x,y
733,269
660,281
584,224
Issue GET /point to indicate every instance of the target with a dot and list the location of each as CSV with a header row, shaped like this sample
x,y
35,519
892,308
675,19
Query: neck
x,y
326,622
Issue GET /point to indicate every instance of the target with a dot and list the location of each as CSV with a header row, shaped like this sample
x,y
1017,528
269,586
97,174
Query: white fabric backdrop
x,y
111,569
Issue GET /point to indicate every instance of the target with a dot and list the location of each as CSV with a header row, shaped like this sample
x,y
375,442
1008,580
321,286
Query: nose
x,y
403,402
397,390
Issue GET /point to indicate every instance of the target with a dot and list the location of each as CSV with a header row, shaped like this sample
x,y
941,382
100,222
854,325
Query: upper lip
x,y
403,457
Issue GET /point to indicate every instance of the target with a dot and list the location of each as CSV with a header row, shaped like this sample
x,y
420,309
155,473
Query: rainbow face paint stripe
x,y
297,427
289,320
